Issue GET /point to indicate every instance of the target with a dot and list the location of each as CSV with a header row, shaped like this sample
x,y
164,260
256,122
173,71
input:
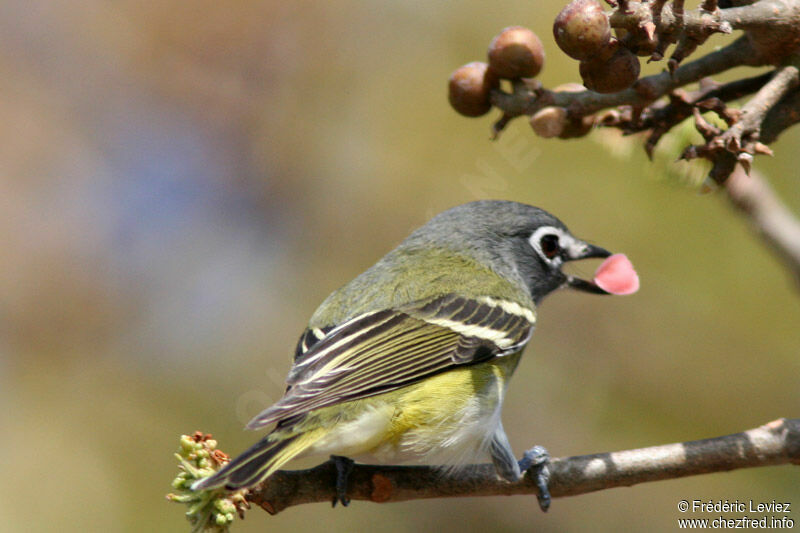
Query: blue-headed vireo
x,y
412,358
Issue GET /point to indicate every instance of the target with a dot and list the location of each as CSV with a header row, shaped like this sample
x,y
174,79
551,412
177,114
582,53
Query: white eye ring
x,y
565,240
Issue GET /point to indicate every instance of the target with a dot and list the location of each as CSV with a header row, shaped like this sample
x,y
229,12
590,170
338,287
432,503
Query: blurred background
x,y
182,183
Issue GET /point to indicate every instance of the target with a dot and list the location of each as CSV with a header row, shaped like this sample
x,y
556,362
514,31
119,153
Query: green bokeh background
x,y
181,183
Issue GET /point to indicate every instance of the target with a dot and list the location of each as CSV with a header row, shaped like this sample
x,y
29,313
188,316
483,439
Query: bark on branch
x,y
754,198
775,443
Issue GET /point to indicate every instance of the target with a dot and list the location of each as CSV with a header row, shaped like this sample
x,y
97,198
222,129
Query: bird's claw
x,y
344,466
535,461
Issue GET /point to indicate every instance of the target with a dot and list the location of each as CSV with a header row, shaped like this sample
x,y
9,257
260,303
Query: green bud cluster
x,y
208,510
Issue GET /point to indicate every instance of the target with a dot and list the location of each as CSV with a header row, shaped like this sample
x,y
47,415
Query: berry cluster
x,y
583,32
513,54
607,44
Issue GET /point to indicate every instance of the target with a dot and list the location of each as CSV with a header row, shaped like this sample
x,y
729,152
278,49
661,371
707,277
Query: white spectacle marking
x,y
567,242
318,333
575,248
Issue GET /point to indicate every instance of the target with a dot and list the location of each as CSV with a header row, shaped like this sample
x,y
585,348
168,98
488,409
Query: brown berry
x,y
618,72
581,29
578,127
554,121
549,121
516,53
637,41
574,126
469,88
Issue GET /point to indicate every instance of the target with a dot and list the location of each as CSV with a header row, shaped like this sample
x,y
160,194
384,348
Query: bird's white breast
x,y
425,423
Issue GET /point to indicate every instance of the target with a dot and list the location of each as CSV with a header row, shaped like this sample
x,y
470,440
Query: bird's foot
x,y
535,461
344,466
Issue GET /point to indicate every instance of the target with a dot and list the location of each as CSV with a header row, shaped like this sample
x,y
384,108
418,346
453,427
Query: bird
x,y
411,360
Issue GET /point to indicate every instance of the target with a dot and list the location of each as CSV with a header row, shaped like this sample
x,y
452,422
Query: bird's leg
x,y
344,466
534,460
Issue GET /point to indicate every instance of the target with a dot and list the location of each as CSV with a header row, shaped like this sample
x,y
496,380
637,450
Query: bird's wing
x,y
384,350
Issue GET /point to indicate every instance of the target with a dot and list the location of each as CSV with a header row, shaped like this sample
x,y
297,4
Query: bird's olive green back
x,y
414,274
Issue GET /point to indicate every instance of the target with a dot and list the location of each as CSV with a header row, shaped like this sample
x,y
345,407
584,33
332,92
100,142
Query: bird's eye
x,y
549,244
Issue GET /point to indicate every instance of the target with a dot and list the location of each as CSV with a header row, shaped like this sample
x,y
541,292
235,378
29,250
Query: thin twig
x,y
775,443
781,117
754,111
661,117
753,196
740,142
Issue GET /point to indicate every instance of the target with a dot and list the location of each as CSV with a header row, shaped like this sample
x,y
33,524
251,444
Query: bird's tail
x,y
259,462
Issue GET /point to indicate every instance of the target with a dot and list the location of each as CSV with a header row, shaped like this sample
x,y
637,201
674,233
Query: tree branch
x,y
526,100
762,14
754,112
662,116
753,196
740,142
785,114
775,443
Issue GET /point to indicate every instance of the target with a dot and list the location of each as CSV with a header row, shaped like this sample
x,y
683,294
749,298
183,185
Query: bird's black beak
x,y
582,250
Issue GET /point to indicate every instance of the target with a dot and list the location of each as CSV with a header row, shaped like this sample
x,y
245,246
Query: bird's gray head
x,y
521,242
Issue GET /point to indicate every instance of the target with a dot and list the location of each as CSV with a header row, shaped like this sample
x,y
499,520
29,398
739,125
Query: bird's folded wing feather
x,y
381,351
